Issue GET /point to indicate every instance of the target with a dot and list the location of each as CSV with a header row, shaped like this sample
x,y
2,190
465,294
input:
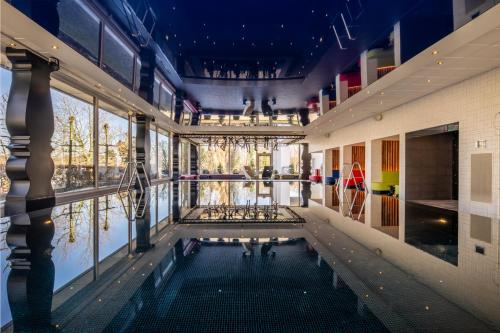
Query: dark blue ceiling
x,y
289,44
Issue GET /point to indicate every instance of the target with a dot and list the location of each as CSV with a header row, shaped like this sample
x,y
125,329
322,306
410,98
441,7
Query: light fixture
x,y
55,47
12,45
435,52
428,80
439,62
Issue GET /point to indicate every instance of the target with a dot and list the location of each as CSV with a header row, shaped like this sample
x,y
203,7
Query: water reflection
x,y
86,238
288,193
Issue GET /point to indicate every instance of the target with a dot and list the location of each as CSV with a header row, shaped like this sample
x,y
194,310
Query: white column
x,y
341,89
397,44
368,69
324,105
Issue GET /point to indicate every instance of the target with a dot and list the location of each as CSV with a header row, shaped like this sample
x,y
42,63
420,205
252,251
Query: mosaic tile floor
x,y
216,289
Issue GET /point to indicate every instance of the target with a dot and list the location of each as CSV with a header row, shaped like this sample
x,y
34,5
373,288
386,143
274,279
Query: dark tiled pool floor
x,y
216,289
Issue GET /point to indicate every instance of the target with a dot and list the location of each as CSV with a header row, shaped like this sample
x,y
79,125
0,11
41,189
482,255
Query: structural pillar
x,y
179,107
193,154
175,177
304,116
147,77
368,69
30,283
306,172
342,90
143,147
30,122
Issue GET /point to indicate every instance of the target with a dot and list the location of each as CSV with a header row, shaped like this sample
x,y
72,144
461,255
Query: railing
x,y
351,91
381,71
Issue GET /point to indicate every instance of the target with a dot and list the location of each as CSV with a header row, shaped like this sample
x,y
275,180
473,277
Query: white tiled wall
x,y
473,103
474,283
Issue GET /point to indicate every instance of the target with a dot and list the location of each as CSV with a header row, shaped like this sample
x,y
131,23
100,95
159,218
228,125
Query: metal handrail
x,y
134,175
356,186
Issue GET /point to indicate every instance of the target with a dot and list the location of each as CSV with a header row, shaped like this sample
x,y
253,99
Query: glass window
x,y
184,158
156,92
154,154
113,147
163,155
213,160
186,118
72,142
264,120
79,27
243,121
166,101
6,80
118,60
137,82
241,158
285,120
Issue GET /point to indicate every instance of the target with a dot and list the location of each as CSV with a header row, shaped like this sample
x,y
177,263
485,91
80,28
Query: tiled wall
x,y
473,283
472,103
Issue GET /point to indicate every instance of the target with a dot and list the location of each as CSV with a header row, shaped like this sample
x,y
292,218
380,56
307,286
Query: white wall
x,y
472,103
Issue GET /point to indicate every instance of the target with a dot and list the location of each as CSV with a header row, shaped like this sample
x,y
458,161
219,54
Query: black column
x,y
304,116
147,78
306,172
143,146
30,283
175,178
30,122
179,106
143,221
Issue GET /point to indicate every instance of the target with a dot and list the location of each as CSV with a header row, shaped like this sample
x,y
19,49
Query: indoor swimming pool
x,y
140,262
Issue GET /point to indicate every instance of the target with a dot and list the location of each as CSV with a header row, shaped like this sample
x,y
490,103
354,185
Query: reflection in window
x,y
79,27
154,154
166,101
5,81
113,225
213,160
118,60
73,240
184,158
241,158
73,153
113,147
163,155
156,92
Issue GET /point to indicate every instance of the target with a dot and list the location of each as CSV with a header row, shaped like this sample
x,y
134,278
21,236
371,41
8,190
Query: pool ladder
x,y
133,169
358,185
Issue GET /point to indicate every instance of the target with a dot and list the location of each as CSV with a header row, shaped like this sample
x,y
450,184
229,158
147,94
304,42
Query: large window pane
x,y
113,147
72,142
166,101
213,160
5,80
118,60
241,158
184,158
79,27
154,154
163,155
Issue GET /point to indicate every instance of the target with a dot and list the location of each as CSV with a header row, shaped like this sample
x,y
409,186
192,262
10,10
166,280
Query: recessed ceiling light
x,y
439,62
368,92
55,47
382,93
12,45
435,52
428,80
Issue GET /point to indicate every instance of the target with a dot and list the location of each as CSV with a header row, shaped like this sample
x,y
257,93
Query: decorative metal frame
x,y
247,214
243,141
